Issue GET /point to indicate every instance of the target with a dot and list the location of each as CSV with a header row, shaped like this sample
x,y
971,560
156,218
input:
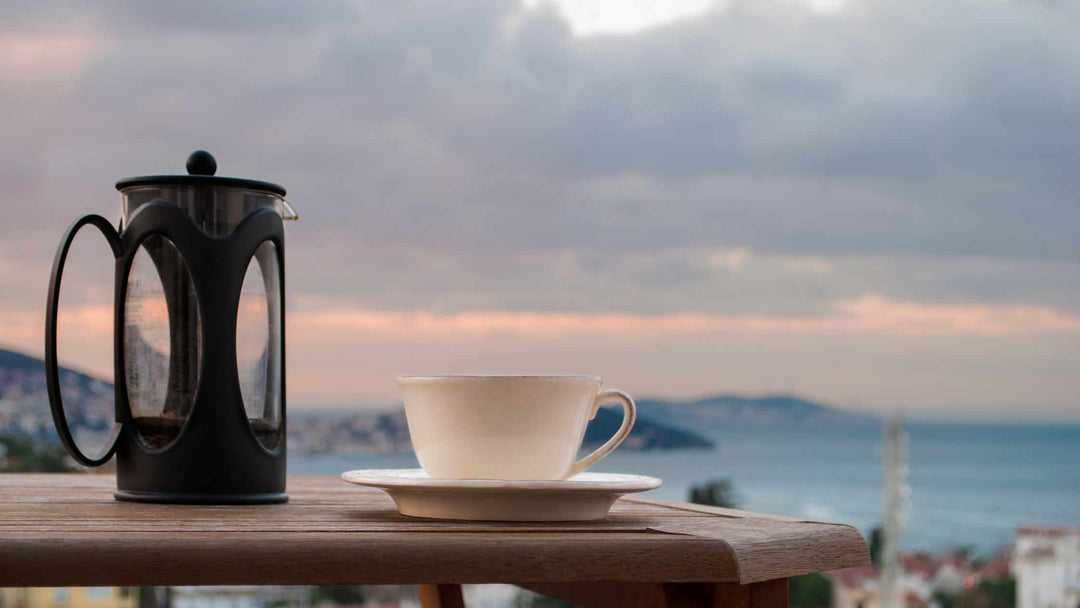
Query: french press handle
x,y
52,370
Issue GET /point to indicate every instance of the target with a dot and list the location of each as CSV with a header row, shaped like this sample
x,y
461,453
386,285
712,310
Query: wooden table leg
x,y
440,596
688,595
768,594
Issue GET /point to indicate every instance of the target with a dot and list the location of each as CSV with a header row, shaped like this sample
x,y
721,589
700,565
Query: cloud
x,y
591,17
870,313
765,159
29,62
729,258
869,352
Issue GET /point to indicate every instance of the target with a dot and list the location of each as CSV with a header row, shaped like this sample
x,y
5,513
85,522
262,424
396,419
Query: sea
x,y
971,485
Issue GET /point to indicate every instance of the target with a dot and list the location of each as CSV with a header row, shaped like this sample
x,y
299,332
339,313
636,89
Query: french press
x,y
199,338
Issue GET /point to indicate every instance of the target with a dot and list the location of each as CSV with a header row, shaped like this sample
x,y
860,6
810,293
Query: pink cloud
x,y
869,351
84,336
875,313
866,350
30,61
869,313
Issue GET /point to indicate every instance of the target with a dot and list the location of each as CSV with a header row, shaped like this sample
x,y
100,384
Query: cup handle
x,y
629,415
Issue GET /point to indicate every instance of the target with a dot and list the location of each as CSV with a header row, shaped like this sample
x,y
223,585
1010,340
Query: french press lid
x,y
201,167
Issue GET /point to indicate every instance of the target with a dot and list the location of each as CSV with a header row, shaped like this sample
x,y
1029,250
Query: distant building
x,y
921,577
69,597
1047,567
240,596
856,588
861,588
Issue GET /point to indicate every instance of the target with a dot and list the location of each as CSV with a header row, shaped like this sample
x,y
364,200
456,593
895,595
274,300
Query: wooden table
x,y
67,530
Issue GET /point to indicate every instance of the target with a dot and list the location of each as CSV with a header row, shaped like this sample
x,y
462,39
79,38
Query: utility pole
x,y
897,495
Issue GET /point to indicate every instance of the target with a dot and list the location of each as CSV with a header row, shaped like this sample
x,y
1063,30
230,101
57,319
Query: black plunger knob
x,y
201,163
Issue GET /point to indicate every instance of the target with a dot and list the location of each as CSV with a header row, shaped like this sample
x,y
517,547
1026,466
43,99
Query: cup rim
x,y
472,378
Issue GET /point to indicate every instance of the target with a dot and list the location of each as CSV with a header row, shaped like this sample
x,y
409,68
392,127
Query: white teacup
x,y
506,427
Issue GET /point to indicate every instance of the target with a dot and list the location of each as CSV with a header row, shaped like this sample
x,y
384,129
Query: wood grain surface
x,y
68,530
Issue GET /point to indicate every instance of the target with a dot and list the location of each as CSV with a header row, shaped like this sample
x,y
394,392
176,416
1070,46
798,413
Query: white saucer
x,y
584,497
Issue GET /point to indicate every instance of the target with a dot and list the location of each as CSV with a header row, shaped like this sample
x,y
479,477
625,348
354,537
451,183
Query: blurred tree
x,y
989,594
337,594
810,591
715,493
877,538
155,597
943,599
23,456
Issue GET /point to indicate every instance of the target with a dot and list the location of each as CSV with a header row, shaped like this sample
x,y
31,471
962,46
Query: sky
x,y
869,203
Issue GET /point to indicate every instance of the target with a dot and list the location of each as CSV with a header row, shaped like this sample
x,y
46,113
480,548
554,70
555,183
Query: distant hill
x,y
24,400
661,425
784,410
647,434
24,411
388,432
13,361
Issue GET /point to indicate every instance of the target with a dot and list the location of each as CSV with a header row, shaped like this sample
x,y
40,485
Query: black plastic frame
x,y
216,458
